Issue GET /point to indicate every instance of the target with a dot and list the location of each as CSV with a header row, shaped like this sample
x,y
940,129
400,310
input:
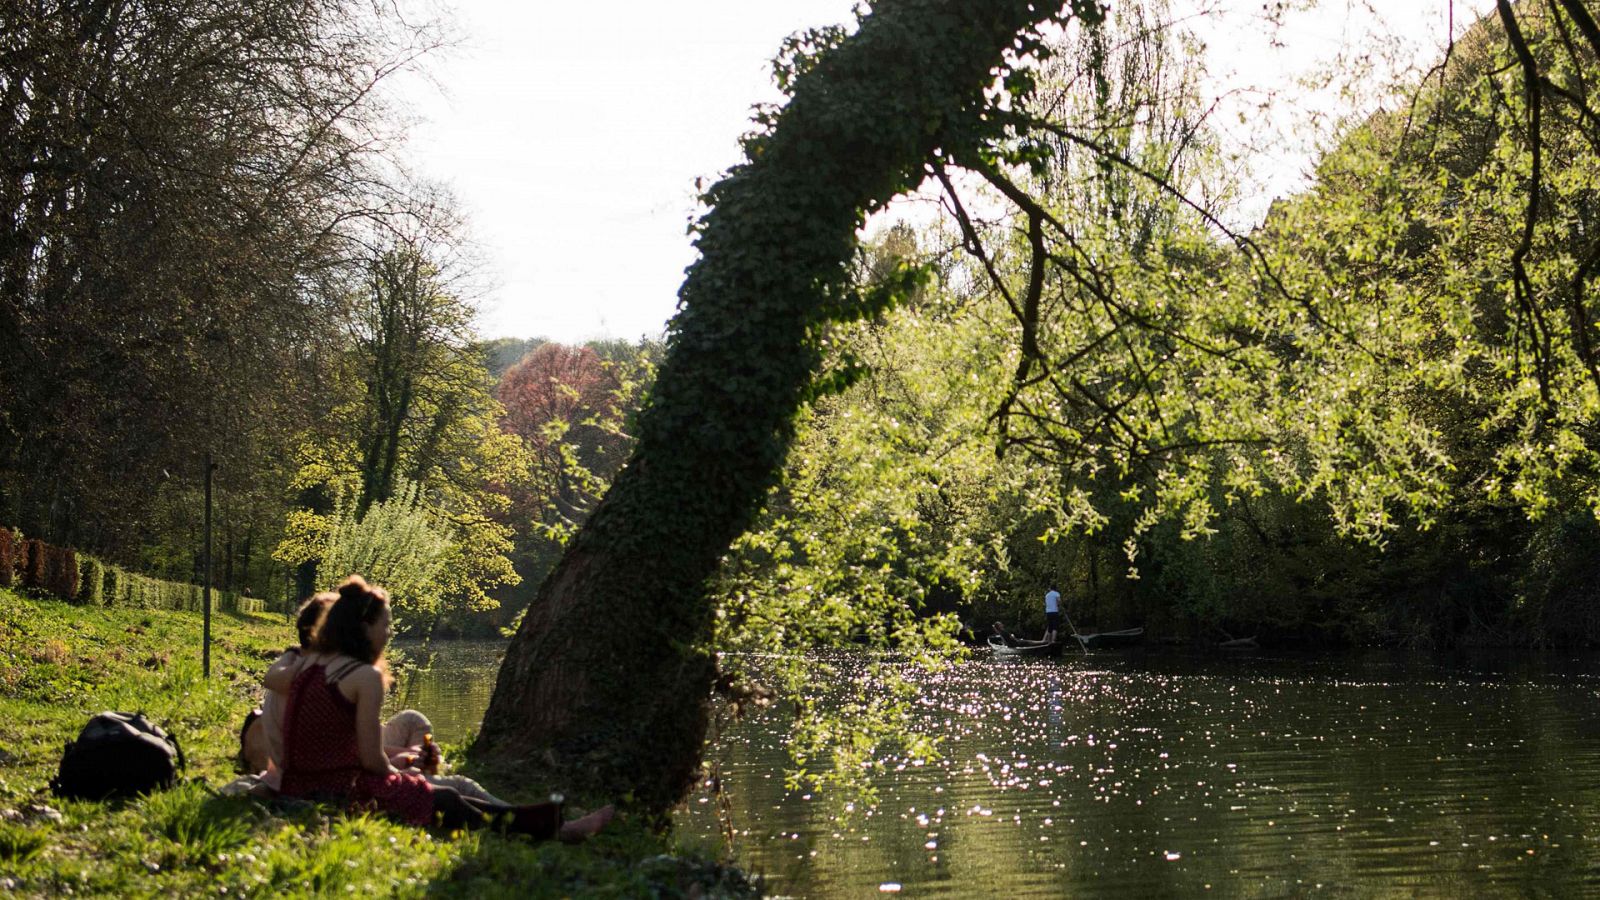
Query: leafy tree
x,y
555,399
628,713
1391,345
887,523
407,335
1446,232
417,410
397,542
571,407
178,184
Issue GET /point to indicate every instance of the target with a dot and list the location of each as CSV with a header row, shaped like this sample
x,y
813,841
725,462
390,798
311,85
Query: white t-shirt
x,y
1052,602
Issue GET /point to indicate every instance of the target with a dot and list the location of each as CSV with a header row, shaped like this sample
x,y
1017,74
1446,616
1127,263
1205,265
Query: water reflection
x,y
1166,774
450,682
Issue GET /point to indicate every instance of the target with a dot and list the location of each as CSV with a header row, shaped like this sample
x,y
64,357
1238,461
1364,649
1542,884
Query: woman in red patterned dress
x,y
333,736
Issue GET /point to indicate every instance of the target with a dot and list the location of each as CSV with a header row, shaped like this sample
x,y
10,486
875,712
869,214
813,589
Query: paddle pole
x,y
1081,645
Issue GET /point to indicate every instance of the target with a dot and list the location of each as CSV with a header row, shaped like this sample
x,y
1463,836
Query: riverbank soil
x,y
60,664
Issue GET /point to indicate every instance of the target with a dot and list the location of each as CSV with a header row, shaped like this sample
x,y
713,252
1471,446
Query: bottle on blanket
x,y
429,763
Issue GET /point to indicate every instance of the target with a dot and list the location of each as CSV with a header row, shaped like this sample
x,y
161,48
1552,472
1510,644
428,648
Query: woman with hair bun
x,y
333,736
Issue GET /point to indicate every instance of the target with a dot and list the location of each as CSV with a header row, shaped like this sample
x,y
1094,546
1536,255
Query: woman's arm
x,y
281,673
365,687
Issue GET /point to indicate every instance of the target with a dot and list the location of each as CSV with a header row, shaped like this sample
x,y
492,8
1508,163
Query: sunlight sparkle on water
x,y
1065,779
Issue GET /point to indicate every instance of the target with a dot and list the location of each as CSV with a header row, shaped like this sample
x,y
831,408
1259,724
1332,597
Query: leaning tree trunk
x,y
606,687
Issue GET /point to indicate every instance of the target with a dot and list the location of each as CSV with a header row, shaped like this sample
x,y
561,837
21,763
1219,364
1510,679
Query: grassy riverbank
x,y
59,664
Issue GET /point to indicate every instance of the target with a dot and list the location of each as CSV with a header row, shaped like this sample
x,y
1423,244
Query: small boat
x,y
1022,649
1121,638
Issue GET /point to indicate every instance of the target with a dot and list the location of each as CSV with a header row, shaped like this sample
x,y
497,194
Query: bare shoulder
x,y
361,680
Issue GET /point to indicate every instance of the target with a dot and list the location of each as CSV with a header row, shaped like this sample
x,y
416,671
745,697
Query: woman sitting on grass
x,y
261,737
333,739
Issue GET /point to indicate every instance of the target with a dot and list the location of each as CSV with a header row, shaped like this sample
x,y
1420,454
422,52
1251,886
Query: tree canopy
x,y
1395,359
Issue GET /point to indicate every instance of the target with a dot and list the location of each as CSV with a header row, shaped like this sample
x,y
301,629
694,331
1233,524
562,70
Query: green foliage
x,y
887,522
91,590
413,387
399,543
1553,593
1166,373
104,584
112,588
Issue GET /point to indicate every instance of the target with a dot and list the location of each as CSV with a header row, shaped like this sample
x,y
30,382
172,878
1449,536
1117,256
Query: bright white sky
x,y
572,133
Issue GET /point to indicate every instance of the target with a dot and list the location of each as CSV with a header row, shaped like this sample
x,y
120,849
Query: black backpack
x,y
117,755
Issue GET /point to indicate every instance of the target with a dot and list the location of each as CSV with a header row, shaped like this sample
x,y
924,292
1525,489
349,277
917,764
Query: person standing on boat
x,y
1052,615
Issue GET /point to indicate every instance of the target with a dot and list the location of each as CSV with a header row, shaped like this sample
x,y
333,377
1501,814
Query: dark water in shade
x,y
1179,774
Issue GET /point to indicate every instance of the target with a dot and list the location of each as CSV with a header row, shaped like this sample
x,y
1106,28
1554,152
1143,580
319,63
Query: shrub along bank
x,y
60,664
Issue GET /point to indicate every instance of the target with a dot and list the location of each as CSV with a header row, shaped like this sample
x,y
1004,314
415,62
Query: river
x,y
1174,773
450,681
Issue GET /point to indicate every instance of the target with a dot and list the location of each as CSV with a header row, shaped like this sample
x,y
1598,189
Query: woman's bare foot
x,y
579,830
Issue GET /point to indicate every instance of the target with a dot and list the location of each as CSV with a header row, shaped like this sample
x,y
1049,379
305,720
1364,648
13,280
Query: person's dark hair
x,y
344,627
240,764
310,616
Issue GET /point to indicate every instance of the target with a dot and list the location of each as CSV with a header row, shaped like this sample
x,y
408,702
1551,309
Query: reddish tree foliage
x,y
61,572
44,567
554,382
558,383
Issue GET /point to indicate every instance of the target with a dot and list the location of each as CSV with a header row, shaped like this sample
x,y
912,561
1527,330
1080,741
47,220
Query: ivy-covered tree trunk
x,y
606,687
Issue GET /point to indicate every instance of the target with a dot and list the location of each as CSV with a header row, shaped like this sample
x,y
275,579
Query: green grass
x,y
60,664
19,844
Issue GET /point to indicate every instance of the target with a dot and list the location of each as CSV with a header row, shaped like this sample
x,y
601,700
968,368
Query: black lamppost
x,y
205,602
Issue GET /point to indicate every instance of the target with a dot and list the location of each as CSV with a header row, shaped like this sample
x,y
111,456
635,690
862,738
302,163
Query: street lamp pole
x,y
205,603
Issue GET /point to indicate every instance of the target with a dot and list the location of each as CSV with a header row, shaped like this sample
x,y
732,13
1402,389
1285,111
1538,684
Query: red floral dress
x,y
320,756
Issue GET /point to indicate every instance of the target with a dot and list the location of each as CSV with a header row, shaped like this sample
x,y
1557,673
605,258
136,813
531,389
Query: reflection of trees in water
x,y
1160,776
450,682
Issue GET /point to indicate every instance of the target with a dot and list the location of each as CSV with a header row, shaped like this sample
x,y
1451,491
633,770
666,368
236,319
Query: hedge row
x,y
10,545
107,585
35,564
62,572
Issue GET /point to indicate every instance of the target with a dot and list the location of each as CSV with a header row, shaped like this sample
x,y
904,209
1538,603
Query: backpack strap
x,y
167,734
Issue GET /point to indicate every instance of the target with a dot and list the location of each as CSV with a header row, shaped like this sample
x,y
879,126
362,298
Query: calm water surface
x,y
1177,774
450,681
